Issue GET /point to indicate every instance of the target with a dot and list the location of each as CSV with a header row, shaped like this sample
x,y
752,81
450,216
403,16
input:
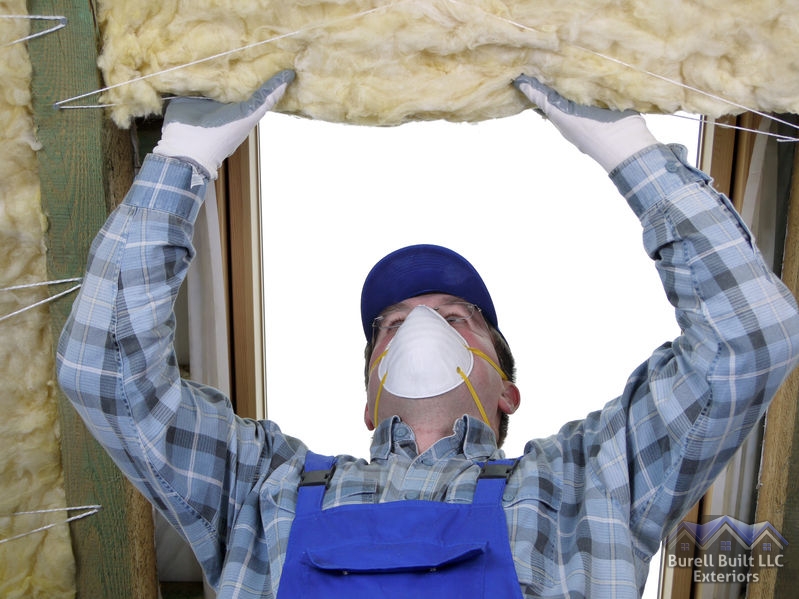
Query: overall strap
x,y
491,481
314,481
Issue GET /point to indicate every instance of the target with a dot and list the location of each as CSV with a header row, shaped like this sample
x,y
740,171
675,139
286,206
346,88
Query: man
x,y
437,511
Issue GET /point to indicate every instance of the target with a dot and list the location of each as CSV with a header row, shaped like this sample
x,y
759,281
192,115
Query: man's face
x,y
494,393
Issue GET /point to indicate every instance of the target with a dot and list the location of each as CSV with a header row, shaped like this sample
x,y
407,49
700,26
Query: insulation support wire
x,y
40,302
60,103
62,22
76,106
781,138
89,510
698,91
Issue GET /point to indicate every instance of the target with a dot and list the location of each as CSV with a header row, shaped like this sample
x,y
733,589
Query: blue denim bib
x,y
399,549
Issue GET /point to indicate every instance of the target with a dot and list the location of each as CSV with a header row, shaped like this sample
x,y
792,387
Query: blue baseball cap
x,y
417,270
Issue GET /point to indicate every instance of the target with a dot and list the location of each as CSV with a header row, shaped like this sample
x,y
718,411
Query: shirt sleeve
x,y
180,443
685,411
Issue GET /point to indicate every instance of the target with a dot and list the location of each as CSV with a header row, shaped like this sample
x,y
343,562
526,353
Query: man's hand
x,y
205,132
608,136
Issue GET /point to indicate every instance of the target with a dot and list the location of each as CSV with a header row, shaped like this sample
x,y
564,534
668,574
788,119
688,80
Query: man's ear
x,y
367,418
510,399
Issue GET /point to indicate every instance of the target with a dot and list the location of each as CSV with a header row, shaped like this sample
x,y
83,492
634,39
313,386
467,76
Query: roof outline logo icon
x,y
703,535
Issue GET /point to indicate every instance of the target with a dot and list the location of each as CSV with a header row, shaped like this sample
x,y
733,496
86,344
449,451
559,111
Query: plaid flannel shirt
x,y
586,508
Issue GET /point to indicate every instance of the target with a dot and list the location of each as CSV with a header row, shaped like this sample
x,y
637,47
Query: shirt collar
x,y
471,437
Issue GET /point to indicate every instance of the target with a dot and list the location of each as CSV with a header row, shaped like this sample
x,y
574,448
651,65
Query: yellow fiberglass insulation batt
x,y
39,564
384,63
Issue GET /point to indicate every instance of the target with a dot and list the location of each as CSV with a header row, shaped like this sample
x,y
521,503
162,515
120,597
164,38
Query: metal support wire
x,y
87,510
61,22
46,300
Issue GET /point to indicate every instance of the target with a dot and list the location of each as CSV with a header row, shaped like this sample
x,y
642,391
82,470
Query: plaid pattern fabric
x,y
586,507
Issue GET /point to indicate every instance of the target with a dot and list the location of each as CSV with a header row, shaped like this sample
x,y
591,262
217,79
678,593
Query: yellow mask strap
x,y
485,357
474,395
377,361
377,399
382,382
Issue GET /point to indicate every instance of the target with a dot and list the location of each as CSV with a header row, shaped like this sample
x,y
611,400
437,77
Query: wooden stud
x,y
777,500
85,168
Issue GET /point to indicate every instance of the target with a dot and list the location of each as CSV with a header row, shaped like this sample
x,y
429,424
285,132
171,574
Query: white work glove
x,y
204,132
607,136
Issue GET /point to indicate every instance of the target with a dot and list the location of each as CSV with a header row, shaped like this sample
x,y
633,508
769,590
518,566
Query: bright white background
x,y
561,253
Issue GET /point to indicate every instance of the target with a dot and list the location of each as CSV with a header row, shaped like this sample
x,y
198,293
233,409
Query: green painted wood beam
x,y
85,168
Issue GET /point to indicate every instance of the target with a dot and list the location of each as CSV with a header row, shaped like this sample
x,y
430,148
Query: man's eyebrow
x,y
393,308
403,305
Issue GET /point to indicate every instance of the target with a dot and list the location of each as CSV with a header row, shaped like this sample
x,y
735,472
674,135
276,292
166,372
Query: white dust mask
x,y
424,357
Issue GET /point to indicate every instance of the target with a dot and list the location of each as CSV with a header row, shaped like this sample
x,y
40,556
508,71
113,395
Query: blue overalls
x,y
399,549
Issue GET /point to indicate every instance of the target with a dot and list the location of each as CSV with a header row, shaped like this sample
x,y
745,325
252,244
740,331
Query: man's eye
x,y
393,322
453,314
